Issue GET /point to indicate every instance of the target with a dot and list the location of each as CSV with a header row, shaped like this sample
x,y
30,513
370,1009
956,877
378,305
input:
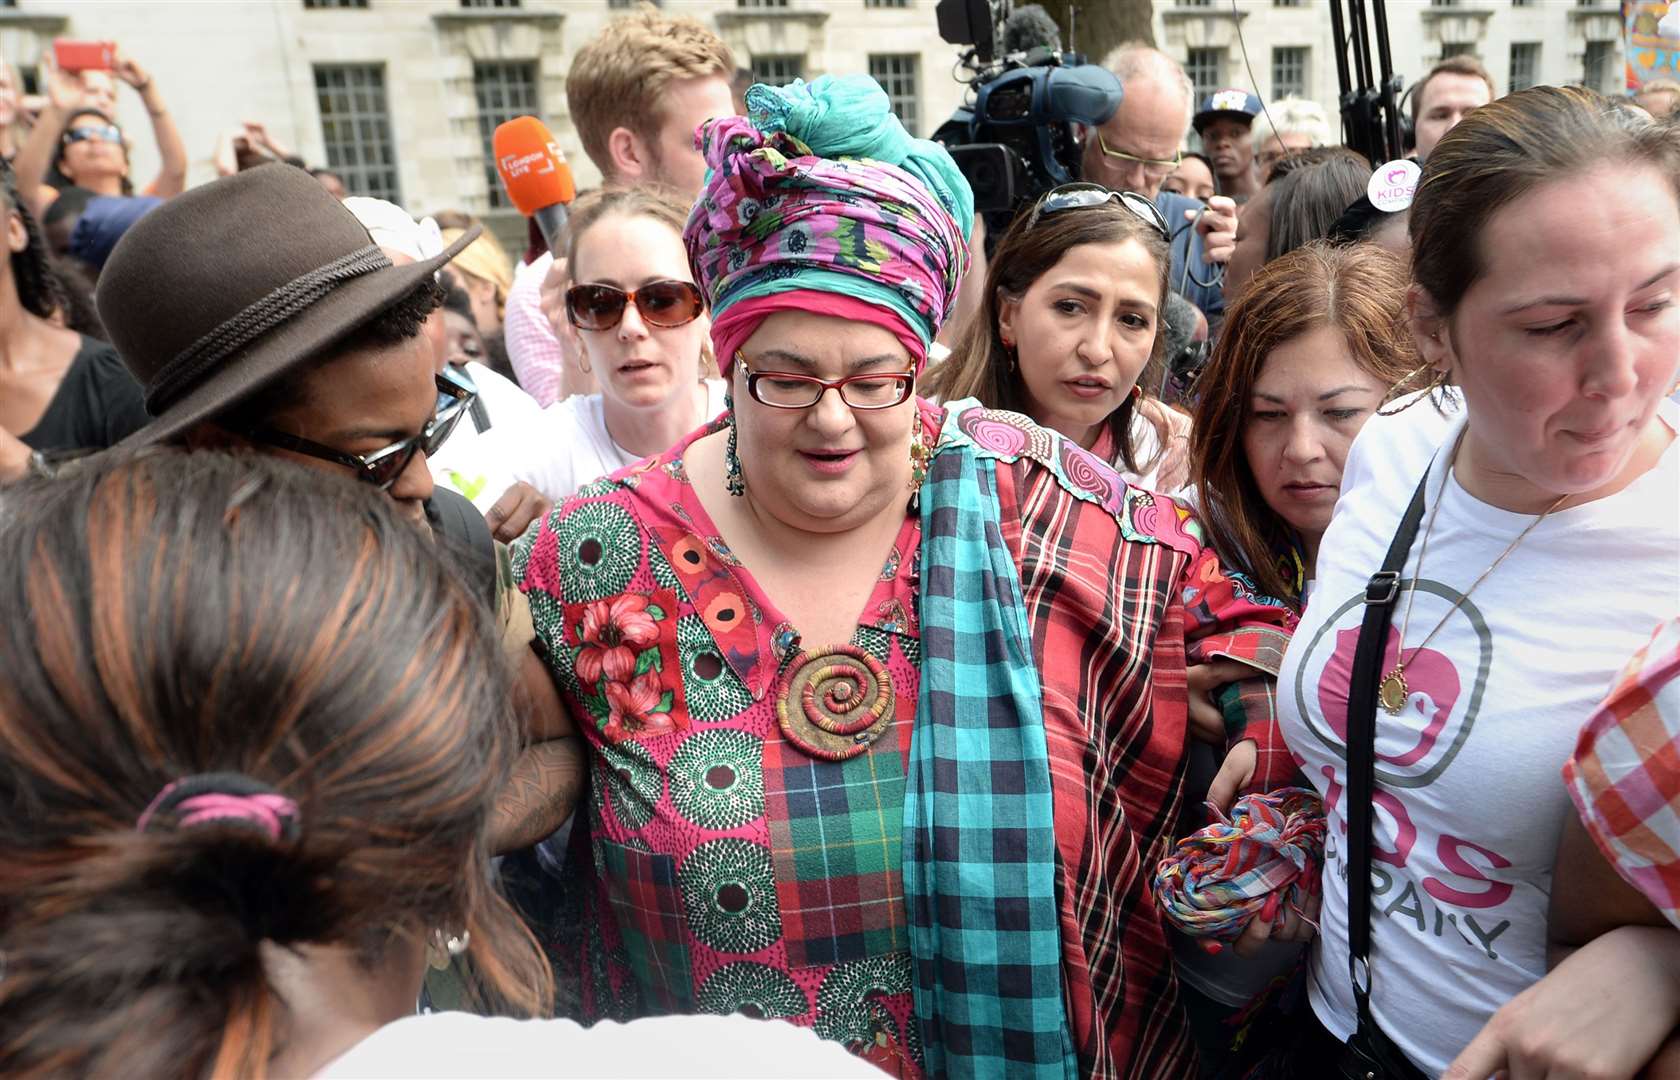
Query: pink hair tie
x,y
210,798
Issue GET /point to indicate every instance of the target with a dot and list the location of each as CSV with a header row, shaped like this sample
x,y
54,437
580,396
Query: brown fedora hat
x,y
222,290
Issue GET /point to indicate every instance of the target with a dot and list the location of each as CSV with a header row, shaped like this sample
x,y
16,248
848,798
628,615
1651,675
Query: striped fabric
x,y
1120,593
1115,624
980,846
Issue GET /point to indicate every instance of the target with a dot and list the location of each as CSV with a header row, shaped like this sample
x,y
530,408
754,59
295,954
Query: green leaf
x,y
665,702
655,612
646,661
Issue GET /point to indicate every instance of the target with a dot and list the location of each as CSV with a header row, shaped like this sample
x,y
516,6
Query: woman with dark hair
x,y
1070,328
1304,195
60,391
76,140
245,807
1525,548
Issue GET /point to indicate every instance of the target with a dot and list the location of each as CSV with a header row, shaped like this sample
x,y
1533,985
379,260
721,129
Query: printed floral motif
x,y
614,632
628,673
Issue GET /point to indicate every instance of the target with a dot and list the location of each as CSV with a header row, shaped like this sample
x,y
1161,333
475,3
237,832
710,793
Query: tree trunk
x,y
1098,27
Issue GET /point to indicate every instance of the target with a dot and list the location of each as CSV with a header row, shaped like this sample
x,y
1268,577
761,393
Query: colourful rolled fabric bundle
x,y
1266,855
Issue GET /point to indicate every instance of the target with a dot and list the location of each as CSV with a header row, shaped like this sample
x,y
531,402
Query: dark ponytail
x,y
173,615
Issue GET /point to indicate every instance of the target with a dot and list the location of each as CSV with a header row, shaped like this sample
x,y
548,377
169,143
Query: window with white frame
x,y
1596,63
356,128
1289,71
1206,68
778,70
1525,64
896,72
504,89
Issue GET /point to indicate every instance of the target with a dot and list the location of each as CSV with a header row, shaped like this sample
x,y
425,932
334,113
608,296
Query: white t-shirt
x,y
1470,804
568,445
474,462
455,1045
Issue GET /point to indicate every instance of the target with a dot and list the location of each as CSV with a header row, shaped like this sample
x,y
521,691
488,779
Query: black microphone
x,y
1031,27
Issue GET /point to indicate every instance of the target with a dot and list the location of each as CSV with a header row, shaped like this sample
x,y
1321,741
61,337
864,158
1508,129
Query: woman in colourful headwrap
x,y
885,703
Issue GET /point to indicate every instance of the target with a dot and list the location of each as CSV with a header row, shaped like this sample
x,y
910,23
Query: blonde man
x,y
639,89
636,91
1286,126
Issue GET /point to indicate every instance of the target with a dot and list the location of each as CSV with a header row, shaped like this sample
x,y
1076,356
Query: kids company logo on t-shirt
x,y
1423,877
1441,704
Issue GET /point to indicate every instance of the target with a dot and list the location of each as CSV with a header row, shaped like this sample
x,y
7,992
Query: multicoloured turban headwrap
x,y
820,190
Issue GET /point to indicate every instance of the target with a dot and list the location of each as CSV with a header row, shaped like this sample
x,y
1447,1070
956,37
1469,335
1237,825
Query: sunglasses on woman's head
x,y
383,467
659,303
94,133
1083,196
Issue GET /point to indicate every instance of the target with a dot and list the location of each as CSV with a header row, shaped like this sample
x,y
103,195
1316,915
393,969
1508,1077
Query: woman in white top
x,y
1546,261
252,728
641,320
1070,326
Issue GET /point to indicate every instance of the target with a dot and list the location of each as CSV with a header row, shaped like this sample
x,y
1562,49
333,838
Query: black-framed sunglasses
x,y
790,390
1084,195
383,467
659,303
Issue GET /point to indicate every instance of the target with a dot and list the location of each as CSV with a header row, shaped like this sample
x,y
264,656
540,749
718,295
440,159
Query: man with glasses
x,y
1138,148
301,338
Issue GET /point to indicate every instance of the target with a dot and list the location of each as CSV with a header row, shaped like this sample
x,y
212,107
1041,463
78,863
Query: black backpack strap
x,y
463,531
1380,594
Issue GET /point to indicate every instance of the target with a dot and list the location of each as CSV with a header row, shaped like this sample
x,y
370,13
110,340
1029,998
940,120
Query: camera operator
x,y
1138,148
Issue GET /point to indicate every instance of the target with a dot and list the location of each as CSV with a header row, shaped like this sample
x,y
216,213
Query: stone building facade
x,y
400,95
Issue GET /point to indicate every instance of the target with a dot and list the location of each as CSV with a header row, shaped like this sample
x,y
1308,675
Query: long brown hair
x,y
980,367
1360,291
178,614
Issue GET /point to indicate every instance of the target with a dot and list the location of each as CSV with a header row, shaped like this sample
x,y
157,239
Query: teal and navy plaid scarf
x,y
979,826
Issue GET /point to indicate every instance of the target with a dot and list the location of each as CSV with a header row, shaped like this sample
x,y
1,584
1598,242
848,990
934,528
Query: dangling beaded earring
x,y
733,481
918,465
1009,347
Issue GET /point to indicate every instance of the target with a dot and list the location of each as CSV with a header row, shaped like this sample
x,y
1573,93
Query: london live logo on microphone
x,y
544,161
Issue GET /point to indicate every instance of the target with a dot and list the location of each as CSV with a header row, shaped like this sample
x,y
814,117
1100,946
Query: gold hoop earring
x,y
1439,382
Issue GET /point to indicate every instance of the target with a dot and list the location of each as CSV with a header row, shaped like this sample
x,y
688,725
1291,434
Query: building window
x,y
1519,3
1443,3
1457,48
897,75
1195,3
504,89
1595,63
1289,71
778,70
1286,3
886,3
1206,69
356,128
490,3
1525,64
335,3
761,3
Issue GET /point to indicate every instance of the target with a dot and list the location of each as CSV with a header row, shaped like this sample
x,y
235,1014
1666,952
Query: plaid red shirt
x,y
1113,641
1625,775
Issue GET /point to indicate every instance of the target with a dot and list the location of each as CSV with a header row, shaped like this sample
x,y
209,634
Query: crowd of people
x,y
785,631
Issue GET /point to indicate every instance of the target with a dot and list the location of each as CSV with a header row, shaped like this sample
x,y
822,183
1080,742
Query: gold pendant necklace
x,y
1392,691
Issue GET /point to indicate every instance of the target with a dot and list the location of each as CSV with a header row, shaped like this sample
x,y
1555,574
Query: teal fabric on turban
x,y
821,189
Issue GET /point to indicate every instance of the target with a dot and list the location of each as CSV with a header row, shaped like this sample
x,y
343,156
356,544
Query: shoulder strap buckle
x,y
1383,587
